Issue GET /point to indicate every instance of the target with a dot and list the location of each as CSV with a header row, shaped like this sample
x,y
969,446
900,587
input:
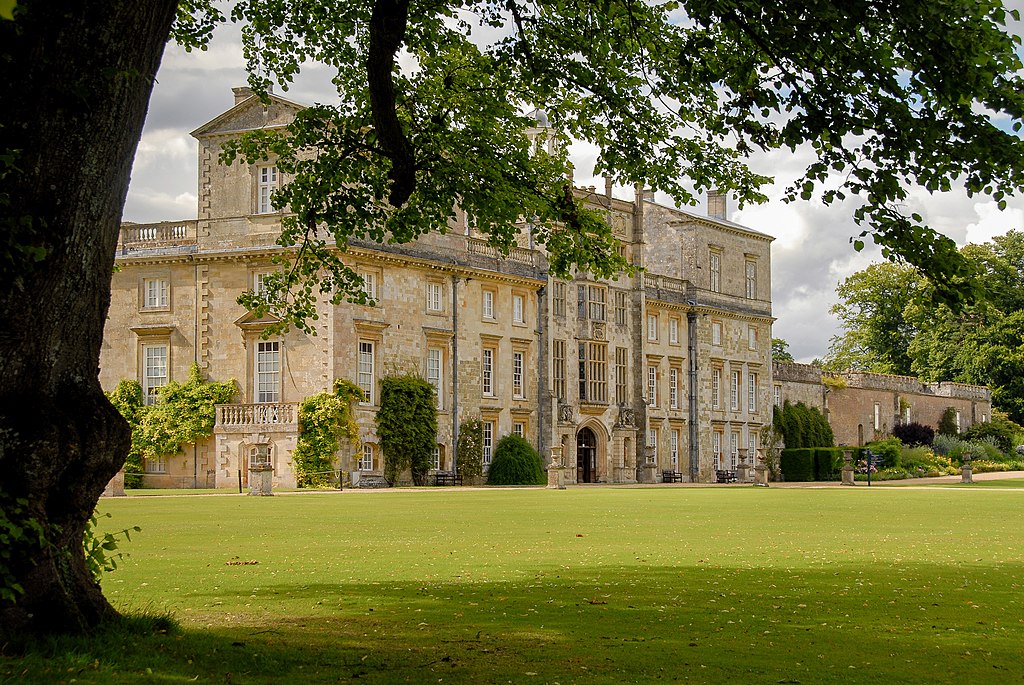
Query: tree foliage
x,y
407,426
470,449
675,95
324,421
780,351
913,434
515,462
892,325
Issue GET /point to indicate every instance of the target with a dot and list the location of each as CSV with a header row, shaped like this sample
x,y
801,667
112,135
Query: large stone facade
x,y
862,406
667,370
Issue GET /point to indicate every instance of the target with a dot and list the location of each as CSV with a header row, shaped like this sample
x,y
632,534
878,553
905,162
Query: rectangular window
x,y
488,372
434,297
751,338
958,429
488,440
434,373
777,390
620,307
488,304
517,309
878,416
716,272
652,386
581,302
267,182
734,452
518,428
517,375
366,376
906,415
581,356
673,448
156,464
621,355
366,461
597,372
673,388
259,283
752,393
370,284
155,293
751,273
597,302
752,447
558,299
716,449
734,391
716,333
558,354
155,375
673,331
652,439
716,388
435,458
268,371
652,326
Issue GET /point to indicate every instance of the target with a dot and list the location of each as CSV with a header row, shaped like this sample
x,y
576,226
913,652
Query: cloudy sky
x,y
811,255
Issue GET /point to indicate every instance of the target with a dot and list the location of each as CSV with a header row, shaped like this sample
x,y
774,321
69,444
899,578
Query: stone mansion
x,y
667,370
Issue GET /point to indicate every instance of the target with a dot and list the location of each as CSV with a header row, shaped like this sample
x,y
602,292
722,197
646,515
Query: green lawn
x,y
595,585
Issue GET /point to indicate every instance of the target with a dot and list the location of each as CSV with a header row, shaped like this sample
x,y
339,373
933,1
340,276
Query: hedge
x,y
828,463
798,464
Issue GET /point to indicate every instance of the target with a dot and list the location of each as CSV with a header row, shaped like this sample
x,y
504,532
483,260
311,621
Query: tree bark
x,y
77,78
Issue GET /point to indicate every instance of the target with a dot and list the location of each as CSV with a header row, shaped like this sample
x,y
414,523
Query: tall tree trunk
x,y
76,78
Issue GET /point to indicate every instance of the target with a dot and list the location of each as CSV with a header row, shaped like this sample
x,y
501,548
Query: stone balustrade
x,y
269,414
164,234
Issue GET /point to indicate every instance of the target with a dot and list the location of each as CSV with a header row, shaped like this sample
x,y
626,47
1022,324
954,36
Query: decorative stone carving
x,y
627,417
742,469
967,470
847,467
565,413
599,331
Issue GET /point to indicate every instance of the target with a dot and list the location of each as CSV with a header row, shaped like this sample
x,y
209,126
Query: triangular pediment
x,y
249,115
251,322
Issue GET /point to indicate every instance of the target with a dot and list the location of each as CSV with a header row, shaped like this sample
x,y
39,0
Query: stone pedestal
x,y
761,475
967,472
261,481
743,469
115,488
848,467
649,473
556,472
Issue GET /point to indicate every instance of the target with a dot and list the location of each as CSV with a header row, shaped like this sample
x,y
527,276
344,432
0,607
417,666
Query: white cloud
x,y
992,222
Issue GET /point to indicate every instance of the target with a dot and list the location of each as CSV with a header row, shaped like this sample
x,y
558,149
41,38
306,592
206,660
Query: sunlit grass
x,y
585,585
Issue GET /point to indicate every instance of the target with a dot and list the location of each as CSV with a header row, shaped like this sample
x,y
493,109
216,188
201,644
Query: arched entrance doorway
x,y
586,456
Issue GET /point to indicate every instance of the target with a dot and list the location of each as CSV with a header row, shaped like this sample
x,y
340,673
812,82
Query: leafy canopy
x,y
675,95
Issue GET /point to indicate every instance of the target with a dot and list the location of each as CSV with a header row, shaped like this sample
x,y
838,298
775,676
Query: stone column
x,y
848,467
261,480
556,472
967,470
742,469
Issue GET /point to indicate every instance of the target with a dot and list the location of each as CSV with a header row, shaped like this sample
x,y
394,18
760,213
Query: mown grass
x,y
597,585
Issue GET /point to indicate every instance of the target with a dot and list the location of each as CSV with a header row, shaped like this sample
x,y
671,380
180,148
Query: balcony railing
x,y
164,234
482,247
276,413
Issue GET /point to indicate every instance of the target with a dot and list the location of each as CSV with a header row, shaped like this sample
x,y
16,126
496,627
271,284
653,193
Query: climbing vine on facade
x,y
325,420
407,426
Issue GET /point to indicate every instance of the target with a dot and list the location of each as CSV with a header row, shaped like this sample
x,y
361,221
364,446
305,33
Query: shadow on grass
x,y
887,622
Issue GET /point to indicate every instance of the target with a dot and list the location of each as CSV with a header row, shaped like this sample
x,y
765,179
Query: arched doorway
x,y
586,456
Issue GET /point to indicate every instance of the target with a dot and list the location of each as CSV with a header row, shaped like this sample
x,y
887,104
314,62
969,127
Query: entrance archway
x,y
586,456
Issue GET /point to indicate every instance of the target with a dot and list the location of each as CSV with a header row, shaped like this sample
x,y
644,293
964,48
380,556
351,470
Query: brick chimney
x,y
242,93
718,205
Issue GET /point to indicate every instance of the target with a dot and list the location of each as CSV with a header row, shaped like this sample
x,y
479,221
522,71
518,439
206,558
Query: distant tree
x,y
127,398
802,426
780,350
407,426
947,424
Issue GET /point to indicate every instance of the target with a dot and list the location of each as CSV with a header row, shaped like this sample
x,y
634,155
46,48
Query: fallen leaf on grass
x,y
251,562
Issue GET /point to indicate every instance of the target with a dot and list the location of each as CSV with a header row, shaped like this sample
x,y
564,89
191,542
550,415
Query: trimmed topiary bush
x,y
515,462
798,464
802,426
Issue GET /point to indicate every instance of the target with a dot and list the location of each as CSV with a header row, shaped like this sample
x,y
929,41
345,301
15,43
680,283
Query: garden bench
x,y
725,476
447,478
671,477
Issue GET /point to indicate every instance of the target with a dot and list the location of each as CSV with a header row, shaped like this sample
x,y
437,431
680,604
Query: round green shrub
x,y
515,462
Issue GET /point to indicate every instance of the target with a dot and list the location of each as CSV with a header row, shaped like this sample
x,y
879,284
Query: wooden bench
x,y
447,478
671,477
725,476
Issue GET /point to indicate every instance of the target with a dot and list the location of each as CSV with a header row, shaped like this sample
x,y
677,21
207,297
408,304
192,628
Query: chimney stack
x,y
718,205
242,93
